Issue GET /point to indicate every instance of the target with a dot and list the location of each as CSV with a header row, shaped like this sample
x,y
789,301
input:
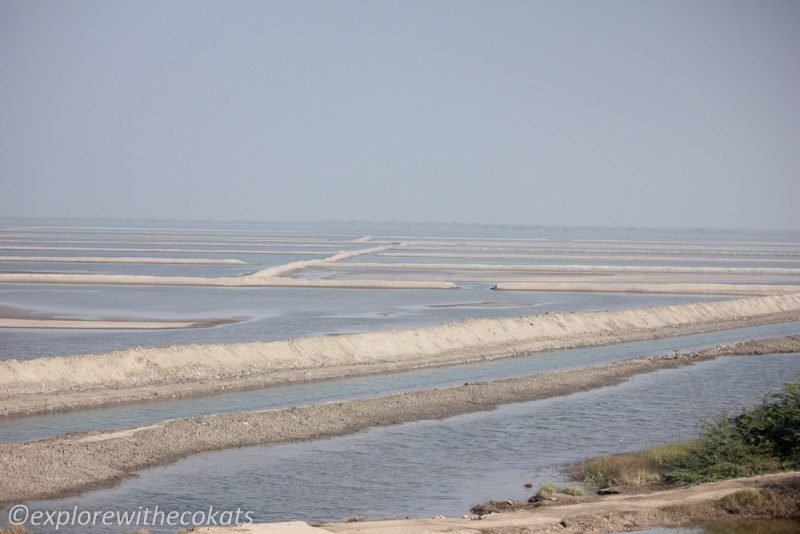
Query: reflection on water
x,y
443,467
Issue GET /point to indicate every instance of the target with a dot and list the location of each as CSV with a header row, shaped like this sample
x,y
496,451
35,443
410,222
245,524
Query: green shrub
x,y
765,439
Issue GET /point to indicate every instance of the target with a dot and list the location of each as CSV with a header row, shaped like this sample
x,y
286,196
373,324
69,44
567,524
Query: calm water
x,y
280,313
428,468
417,469
42,426
273,313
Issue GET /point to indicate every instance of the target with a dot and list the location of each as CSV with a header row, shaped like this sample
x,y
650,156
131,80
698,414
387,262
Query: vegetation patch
x,y
573,491
765,439
633,468
546,492
777,501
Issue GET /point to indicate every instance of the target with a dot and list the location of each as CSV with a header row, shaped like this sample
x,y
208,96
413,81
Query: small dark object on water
x,y
527,485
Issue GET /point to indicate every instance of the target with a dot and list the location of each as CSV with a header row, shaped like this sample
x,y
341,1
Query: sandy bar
x,y
237,281
82,461
579,269
271,277
178,232
666,288
6,322
11,317
582,249
283,270
230,240
63,383
110,259
592,257
166,250
47,278
588,245
492,278
327,245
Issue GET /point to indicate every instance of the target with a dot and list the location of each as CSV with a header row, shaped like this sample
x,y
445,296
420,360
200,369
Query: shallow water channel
x,y
428,468
48,425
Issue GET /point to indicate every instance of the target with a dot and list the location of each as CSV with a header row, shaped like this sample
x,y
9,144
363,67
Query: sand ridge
x,y
270,277
283,270
10,322
655,288
60,383
167,250
558,268
223,281
120,259
81,461
287,244
593,257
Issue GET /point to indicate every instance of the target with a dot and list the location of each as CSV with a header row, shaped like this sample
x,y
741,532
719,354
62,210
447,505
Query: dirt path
x,y
607,514
599,515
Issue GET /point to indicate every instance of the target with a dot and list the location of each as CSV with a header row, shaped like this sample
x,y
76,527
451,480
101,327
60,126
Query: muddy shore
x,y
12,317
140,374
79,462
688,288
613,513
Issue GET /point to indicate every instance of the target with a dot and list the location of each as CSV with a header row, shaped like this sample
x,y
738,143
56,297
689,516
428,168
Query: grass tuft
x,y
574,491
741,500
633,468
546,492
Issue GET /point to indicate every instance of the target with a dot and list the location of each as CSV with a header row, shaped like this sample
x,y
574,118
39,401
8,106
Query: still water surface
x,y
427,468
43,426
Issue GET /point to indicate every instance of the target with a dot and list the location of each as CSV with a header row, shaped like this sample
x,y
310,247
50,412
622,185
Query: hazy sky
x,y
594,112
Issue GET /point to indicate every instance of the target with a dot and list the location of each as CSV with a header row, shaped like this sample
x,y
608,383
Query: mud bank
x,y
60,242
12,317
225,281
78,462
584,257
700,250
665,288
11,322
167,250
578,269
64,383
111,259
